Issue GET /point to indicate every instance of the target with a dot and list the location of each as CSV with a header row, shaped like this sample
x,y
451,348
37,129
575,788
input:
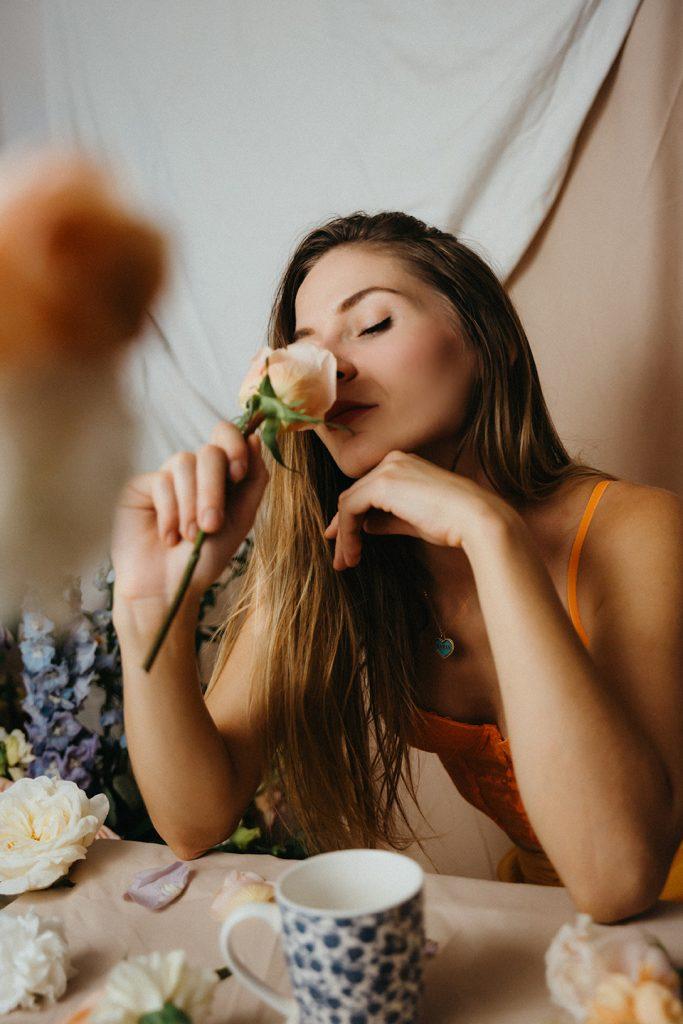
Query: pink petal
x,y
157,887
106,833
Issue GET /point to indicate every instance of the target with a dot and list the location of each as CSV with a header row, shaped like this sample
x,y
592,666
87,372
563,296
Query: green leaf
x,y
242,836
170,1014
3,758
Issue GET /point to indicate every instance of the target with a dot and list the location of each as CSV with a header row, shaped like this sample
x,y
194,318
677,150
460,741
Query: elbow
x,y
184,851
193,845
621,895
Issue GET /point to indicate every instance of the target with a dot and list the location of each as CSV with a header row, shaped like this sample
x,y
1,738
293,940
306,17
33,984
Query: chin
x,y
355,460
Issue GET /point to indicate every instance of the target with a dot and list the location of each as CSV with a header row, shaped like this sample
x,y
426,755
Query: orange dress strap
x,y
573,570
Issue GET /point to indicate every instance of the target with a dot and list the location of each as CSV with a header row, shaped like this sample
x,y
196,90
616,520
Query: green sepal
x,y
269,434
266,387
169,1014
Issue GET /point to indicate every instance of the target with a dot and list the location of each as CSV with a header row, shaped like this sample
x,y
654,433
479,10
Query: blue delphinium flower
x,y
57,677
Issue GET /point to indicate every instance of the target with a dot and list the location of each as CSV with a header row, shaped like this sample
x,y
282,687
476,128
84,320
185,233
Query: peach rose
x,y
77,268
304,377
619,1001
656,1004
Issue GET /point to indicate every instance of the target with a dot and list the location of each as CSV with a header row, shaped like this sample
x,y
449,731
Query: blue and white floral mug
x,y
353,935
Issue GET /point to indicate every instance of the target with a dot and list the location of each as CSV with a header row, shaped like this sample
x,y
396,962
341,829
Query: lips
x,y
344,406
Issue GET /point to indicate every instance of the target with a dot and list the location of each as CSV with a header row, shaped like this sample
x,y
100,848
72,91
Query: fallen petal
x,y
157,887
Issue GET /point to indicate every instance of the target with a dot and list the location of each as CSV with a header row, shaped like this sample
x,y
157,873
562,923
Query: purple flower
x,y
78,761
63,729
37,653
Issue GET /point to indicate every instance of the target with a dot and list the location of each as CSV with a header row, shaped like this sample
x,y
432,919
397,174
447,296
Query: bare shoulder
x,y
633,548
633,514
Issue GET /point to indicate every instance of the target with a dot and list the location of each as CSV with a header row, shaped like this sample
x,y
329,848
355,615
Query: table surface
x,y
489,968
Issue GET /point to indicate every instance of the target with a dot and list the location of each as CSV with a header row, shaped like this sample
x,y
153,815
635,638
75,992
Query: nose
x,y
346,371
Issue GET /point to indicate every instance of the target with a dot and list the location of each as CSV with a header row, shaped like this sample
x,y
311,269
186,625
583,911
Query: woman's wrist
x,y
138,619
493,528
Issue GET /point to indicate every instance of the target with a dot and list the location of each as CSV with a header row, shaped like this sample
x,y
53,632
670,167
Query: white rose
x,y
144,984
45,825
18,752
34,960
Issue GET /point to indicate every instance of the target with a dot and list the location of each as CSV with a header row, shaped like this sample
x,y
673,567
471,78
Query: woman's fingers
x,y
212,470
182,467
165,502
227,436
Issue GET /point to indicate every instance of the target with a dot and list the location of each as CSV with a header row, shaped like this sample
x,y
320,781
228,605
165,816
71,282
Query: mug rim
x,y
357,911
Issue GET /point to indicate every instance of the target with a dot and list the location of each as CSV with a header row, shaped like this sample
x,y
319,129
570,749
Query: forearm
x,y
180,761
592,784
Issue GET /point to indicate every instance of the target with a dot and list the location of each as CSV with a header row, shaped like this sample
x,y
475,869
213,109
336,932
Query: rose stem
x,y
248,429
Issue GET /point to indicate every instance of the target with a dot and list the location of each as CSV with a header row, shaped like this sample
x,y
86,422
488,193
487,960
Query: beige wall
x,y
600,291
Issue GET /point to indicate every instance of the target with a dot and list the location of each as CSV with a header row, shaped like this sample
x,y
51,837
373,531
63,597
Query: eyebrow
x,y
347,304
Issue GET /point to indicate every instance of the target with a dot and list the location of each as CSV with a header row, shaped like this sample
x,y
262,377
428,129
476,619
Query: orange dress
x,y
479,762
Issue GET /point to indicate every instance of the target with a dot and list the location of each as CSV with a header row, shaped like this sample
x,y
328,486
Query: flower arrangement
x,y
61,693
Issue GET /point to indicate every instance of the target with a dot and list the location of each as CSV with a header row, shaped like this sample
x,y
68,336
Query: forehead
x,y
349,269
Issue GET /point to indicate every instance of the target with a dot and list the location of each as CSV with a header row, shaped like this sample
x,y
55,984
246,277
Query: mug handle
x,y
270,913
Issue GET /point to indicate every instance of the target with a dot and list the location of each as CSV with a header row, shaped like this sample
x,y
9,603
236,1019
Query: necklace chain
x,y
443,645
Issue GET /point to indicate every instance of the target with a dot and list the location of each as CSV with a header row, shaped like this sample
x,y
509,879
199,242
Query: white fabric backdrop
x,y
243,125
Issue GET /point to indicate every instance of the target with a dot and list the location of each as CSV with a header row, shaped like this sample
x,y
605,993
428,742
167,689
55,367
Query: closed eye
x,y
378,327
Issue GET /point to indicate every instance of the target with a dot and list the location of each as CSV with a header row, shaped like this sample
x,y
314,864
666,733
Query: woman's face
x,y
397,352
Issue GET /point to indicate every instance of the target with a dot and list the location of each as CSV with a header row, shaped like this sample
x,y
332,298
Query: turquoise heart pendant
x,y
444,646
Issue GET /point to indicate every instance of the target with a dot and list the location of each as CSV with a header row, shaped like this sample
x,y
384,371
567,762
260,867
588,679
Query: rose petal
x,y
241,887
157,887
106,833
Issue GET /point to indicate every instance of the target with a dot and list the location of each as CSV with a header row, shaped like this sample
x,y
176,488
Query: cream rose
x,y
303,376
34,960
45,825
18,752
144,984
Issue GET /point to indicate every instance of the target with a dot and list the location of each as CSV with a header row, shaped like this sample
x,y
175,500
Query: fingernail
x,y
192,530
211,519
237,469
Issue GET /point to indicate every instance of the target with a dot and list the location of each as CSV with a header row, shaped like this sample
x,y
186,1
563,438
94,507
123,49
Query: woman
x,y
407,586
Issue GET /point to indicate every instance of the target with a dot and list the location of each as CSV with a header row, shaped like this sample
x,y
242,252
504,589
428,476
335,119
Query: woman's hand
x,y
409,495
217,489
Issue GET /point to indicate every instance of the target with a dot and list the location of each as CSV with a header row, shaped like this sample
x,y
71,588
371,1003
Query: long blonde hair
x,y
334,678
